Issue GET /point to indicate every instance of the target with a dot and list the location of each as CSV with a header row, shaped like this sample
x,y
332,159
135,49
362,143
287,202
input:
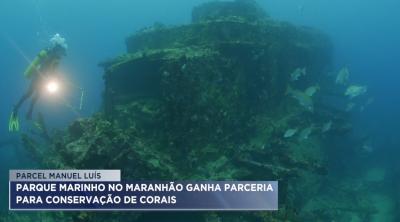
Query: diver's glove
x,y
13,124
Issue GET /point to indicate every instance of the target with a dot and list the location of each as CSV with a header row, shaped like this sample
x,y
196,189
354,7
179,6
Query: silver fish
x,y
326,127
310,91
296,74
305,133
354,91
367,148
290,132
369,101
350,107
303,99
343,76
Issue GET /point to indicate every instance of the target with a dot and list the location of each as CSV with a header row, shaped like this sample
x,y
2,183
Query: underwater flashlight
x,y
52,87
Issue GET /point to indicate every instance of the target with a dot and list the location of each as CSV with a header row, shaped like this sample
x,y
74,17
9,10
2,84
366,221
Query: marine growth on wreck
x,y
234,95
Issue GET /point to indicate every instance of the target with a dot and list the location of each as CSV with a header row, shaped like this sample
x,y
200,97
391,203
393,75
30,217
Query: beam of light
x,y
52,87
17,48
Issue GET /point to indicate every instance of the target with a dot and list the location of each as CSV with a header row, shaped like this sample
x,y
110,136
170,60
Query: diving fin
x,y
13,124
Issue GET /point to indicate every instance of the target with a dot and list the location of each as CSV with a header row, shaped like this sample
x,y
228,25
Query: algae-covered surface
x,y
218,99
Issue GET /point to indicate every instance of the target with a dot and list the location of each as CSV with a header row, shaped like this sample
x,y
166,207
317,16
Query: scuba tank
x,y
35,64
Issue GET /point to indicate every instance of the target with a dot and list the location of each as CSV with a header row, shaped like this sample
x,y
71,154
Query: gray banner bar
x,y
66,175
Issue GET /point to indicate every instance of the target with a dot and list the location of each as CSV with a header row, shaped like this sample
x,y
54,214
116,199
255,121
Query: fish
x,y
370,101
303,99
183,67
367,148
300,8
310,91
290,132
326,127
354,91
296,74
350,107
343,76
305,133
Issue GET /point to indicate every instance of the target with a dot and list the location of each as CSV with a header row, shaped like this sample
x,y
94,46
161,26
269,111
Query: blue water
x,y
365,35
366,38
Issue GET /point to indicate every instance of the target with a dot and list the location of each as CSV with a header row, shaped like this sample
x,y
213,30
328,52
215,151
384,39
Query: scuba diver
x,y
41,69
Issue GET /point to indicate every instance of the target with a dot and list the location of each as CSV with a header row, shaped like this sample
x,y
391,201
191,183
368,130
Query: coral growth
x,y
208,101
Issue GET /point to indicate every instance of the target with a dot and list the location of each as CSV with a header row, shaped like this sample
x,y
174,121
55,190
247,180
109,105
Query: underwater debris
x,y
343,76
301,97
290,132
310,91
354,91
297,73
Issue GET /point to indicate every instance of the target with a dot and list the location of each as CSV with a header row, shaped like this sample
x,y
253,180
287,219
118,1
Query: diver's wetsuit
x,y
32,91
47,66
